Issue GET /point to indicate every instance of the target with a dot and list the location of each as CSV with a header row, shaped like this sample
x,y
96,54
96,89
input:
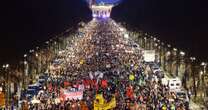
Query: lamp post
x,y
154,39
151,43
204,67
140,40
25,73
163,60
6,67
38,61
193,59
181,62
175,60
167,61
145,42
157,49
202,74
160,55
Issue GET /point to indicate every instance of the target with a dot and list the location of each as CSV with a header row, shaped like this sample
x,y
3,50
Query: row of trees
x,y
16,77
176,63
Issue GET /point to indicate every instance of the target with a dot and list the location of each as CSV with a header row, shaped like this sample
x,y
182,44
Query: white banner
x,y
72,95
149,55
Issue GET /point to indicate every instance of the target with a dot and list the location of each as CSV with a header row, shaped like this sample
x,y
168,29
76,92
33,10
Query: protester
x,y
102,61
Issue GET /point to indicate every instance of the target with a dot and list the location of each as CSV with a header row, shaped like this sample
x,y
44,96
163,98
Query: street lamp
x,y
169,45
47,42
145,42
158,41
25,73
175,49
25,55
182,53
167,61
36,54
31,51
168,53
193,59
154,39
175,59
203,73
155,44
25,62
204,66
181,56
5,67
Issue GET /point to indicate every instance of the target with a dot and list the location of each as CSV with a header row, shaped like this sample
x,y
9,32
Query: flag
x,y
66,84
130,92
104,84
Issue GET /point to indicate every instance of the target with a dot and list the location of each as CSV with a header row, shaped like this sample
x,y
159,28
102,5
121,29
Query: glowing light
x,y
204,64
201,72
94,15
175,49
192,58
5,66
36,54
168,53
25,55
182,53
104,16
25,62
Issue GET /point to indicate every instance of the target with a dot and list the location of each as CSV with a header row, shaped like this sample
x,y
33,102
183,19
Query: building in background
x,y
101,11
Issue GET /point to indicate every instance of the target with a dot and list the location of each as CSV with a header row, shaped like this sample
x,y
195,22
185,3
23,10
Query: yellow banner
x,y
2,99
99,103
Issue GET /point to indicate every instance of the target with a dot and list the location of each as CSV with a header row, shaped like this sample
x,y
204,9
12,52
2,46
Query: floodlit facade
x,y
101,11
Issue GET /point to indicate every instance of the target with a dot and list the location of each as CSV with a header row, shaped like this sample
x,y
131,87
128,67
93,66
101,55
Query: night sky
x,y
28,23
108,1
182,23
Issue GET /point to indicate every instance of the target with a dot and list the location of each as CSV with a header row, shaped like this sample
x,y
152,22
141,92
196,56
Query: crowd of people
x,y
103,62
